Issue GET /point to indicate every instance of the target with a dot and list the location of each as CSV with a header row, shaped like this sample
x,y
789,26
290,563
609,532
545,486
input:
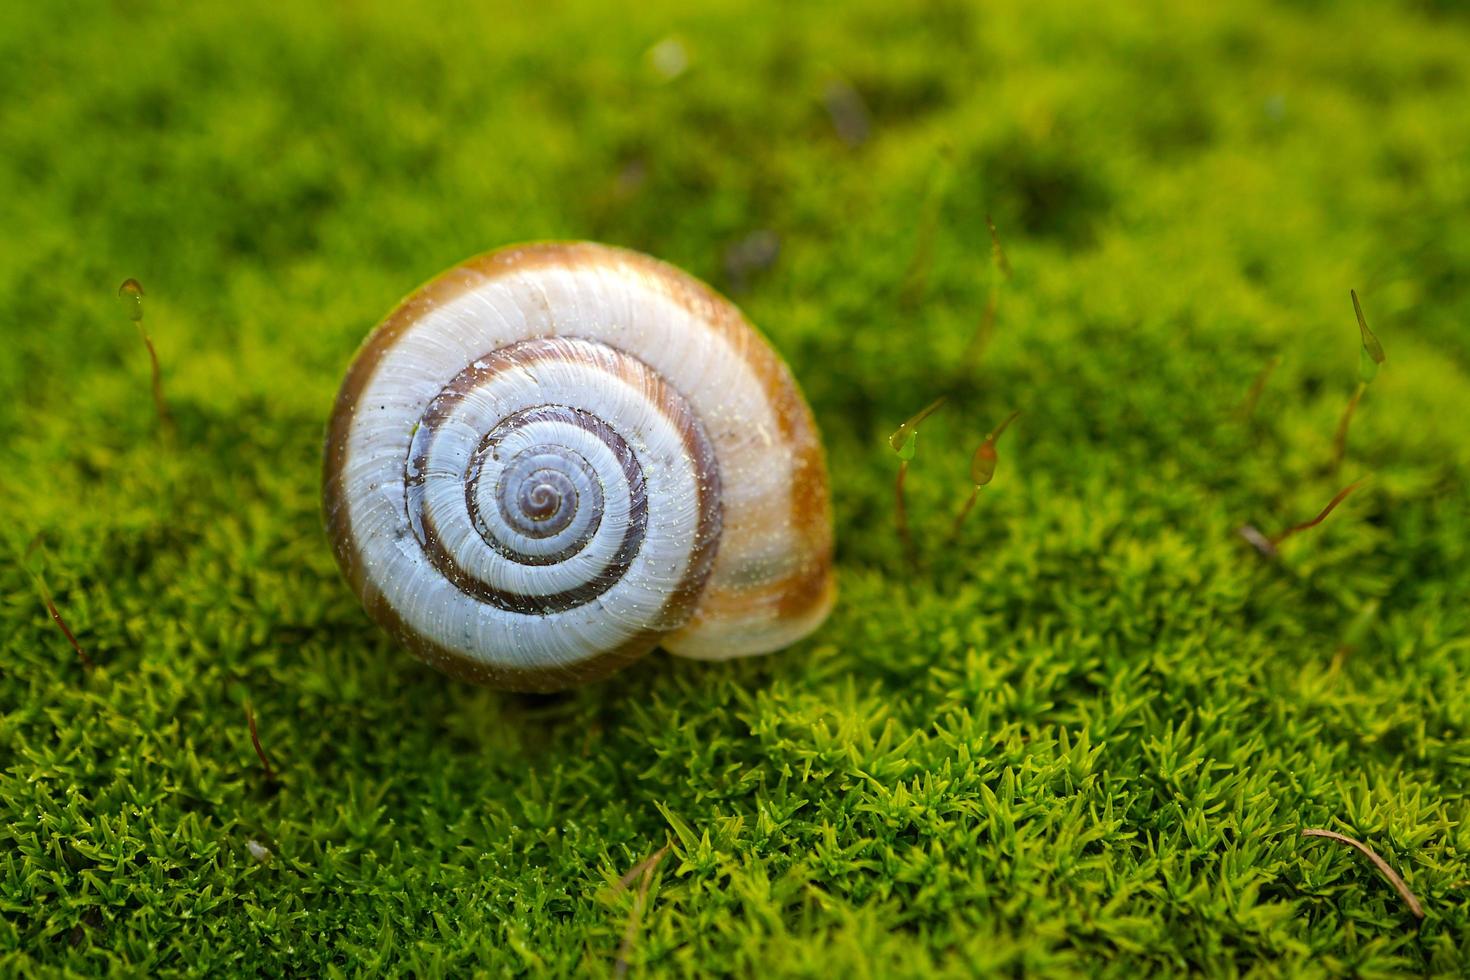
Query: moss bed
x,y
1083,738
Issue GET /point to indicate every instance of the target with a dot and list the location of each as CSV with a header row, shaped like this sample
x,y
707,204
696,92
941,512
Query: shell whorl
x,y
548,509
555,457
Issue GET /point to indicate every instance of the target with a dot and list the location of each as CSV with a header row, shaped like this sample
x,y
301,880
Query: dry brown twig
x,y
1389,873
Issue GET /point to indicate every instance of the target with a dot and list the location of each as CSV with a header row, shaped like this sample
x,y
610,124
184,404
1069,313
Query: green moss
x,y
1084,739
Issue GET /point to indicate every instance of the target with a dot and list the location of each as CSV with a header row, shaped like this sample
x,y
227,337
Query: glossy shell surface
x,y
554,457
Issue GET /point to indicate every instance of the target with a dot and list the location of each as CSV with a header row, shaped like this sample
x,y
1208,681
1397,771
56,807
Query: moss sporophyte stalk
x,y
982,471
905,442
1370,358
35,561
131,295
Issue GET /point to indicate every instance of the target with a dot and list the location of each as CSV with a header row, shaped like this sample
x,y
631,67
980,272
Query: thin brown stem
x,y
645,869
270,773
1339,438
1393,876
1253,397
997,254
985,330
959,519
638,869
916,279
901,515
159,404
61,624
905,442
34,548
131,294
1331,506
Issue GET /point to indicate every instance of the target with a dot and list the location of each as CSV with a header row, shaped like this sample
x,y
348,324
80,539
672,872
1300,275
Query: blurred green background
x,y
1083,738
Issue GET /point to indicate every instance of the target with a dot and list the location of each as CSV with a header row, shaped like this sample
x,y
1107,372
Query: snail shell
x,y
554,457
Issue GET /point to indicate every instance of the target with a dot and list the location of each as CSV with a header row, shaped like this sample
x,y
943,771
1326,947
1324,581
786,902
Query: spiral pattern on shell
x,y
555,457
